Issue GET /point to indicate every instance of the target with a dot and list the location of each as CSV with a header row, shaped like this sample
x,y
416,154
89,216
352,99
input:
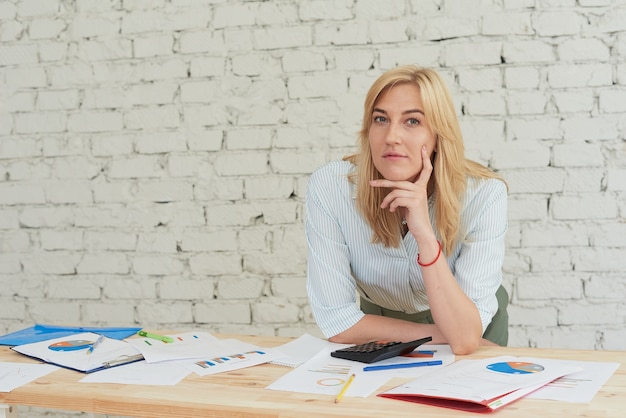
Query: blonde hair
x,y
450,167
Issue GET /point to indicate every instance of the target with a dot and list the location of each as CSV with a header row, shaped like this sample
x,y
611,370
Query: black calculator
x,y
378,350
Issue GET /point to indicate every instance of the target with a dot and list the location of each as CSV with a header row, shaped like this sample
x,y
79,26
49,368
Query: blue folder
x,y
39,332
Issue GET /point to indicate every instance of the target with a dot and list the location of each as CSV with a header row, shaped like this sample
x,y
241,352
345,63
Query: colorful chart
x,y
70,345
515,367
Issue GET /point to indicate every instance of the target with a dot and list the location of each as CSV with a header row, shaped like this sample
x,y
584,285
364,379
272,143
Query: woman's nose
x,y
392,136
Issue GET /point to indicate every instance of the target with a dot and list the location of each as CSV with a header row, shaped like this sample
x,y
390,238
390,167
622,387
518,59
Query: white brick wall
x,y
154,155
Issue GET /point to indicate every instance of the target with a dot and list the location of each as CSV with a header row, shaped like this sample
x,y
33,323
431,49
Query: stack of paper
x,y
482,385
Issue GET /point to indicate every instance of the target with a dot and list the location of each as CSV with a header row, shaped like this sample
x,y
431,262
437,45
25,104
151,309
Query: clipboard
x,y
40,332
71,352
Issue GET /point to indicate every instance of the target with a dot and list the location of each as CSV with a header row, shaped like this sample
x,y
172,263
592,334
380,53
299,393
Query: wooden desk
x,y
242,393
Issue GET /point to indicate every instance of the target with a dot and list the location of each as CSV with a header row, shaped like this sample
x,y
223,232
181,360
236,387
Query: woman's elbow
x,y
465,346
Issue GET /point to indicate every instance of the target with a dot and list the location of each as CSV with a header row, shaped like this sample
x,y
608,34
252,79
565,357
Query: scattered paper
x,y
232,355
14,375
580,386
140,373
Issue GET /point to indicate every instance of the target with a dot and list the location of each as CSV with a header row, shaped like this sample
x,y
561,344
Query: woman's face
x,y
398,132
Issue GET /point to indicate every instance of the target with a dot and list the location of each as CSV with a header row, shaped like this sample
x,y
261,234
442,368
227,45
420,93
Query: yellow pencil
x,y
343,390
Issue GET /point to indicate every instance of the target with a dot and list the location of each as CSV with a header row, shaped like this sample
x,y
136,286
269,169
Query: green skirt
x,y
497,331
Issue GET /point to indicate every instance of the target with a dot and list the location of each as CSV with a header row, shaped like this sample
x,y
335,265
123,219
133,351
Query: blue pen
x,y
402,365
95,344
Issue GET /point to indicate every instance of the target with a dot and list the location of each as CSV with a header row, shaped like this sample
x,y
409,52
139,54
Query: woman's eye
x,y
379,119
413,121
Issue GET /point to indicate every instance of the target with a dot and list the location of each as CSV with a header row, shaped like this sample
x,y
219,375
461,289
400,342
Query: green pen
x,y
163,338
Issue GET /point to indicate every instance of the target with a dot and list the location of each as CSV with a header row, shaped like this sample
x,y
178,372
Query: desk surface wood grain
x,y
242,393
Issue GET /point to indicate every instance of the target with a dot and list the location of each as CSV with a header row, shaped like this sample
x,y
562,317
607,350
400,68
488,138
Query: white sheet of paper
x,y
140,373
233,355
14,375
326,375
579,387
303,348
479,380
189,345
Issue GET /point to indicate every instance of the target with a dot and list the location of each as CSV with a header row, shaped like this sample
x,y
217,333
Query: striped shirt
x,y
343,262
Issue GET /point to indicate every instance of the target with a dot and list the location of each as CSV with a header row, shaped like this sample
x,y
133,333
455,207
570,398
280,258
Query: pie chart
x,y
70,345
515,367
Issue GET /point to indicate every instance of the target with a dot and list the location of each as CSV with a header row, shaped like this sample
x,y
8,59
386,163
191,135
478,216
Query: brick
x,y
611,101
176,312
152,118
18,54
599,260
55,312
532,208
519,154
587,206
83,26
182,289
593,128
527,103
201,41
350,60
249,139
585,180
235,312
547,180
282,37
521,77
269,187
152,46
590,314
615,21
21,193
159,143
57,100
526,52
209,241
558,23
50,262
228,15
66,288
207,66
485,104
518,23
26,77
256,64
577,155
480,53
116,49
295,162
425,55
616,179
606,287
102,263
157,265
240,288
322,85
128,287
215,264
95,121
590,49
318,10
532,128
582,75
575,100
270,13
117,313
164,191
448,27
61,240
275,311
291,287
95,241
388,32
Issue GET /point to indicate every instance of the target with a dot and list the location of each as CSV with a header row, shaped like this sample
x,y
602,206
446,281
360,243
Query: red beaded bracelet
x,y
432,262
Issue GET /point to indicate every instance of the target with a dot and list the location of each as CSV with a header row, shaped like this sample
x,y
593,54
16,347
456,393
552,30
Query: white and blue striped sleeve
x,y
330,285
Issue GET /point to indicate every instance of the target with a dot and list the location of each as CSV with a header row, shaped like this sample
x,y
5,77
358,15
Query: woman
x,y
410,225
